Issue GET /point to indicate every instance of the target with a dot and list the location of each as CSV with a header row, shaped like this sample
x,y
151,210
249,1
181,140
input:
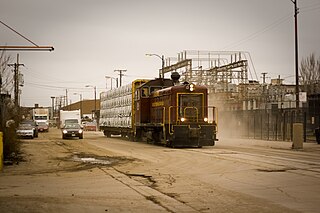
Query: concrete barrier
x,y
1,151
297,136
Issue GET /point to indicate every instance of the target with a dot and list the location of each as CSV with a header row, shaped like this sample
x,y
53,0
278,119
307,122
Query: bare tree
x,y
6,76
11,146
310,74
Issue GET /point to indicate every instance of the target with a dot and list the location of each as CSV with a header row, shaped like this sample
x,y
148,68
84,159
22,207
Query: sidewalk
x,y
311,147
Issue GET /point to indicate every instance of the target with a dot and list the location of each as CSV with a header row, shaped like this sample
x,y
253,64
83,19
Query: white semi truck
x,y
41,117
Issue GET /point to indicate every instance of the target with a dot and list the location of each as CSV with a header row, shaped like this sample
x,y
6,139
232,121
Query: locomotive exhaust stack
x,y
175,76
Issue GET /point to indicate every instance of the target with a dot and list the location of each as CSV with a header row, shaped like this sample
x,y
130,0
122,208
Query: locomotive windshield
x,y
190,106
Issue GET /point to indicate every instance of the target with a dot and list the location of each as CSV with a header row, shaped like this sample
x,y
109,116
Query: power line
x,y
310,9
312,6
51,86
257,33
46,86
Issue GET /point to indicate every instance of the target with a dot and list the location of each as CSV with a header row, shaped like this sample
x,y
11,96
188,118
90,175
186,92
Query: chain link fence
x,y
273,124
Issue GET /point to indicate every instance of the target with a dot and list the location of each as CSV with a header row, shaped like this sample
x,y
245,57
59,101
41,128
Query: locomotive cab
x,y
191,122
142,101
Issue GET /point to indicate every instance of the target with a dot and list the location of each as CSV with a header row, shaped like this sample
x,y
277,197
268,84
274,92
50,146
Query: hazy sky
x,y
92,38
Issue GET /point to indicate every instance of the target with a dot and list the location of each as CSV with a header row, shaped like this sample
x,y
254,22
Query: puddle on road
x,y
92,160
96,160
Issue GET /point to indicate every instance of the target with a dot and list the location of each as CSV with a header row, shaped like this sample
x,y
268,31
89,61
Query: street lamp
x,y
80,103
162,65
95,99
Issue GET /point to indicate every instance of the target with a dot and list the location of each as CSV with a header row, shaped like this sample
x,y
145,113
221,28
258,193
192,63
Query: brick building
x,y
86,107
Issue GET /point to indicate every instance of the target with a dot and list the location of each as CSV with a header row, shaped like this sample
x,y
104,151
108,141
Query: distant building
x,y
86,107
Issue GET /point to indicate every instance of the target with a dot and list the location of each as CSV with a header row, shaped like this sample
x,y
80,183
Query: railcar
x,y
163,111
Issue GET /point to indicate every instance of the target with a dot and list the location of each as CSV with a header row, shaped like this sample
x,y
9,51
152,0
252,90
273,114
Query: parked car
x,y
34,125
25,130
72,130
43,127
90,126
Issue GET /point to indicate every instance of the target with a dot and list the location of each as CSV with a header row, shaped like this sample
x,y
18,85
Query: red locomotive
x,y
164,112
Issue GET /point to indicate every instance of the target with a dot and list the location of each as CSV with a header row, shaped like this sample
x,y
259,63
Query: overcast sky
x,y
92,38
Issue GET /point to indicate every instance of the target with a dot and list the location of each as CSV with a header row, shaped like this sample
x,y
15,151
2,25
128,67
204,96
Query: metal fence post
x,y
305,127
261,127
268,131
1,151
276,136
254,125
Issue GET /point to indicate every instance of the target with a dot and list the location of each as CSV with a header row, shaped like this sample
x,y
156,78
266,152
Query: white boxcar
x,y
116,109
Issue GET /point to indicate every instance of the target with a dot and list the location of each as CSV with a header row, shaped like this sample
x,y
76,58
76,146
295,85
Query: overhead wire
x,y
257,33
310,7
53,87
43,76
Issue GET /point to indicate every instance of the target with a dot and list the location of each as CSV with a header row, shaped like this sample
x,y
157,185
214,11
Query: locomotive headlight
x,y
191,88
205,119
182,119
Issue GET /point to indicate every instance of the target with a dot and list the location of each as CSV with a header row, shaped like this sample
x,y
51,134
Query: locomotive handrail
x,y
169,120
163,124
197,111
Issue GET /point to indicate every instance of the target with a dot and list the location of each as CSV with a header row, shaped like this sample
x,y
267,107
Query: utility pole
x,y
264,88
16,81
66,101
52,107
264,77
120,75
297,138
296,11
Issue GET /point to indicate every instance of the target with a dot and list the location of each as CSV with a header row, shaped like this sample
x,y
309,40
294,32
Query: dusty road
x,y
99,174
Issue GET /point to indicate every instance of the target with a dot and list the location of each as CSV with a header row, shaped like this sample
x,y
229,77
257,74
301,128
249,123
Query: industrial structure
x,y
260,110
226,74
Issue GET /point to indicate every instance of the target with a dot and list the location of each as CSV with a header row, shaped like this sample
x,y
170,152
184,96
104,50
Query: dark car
x,y
72,130
34,125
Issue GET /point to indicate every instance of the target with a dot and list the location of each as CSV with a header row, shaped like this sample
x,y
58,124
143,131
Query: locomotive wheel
x,y
131,137
106,133
138,135
156,137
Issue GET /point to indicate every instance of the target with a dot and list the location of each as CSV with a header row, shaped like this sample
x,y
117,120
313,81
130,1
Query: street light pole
x,y
161,74
80,102
95,99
